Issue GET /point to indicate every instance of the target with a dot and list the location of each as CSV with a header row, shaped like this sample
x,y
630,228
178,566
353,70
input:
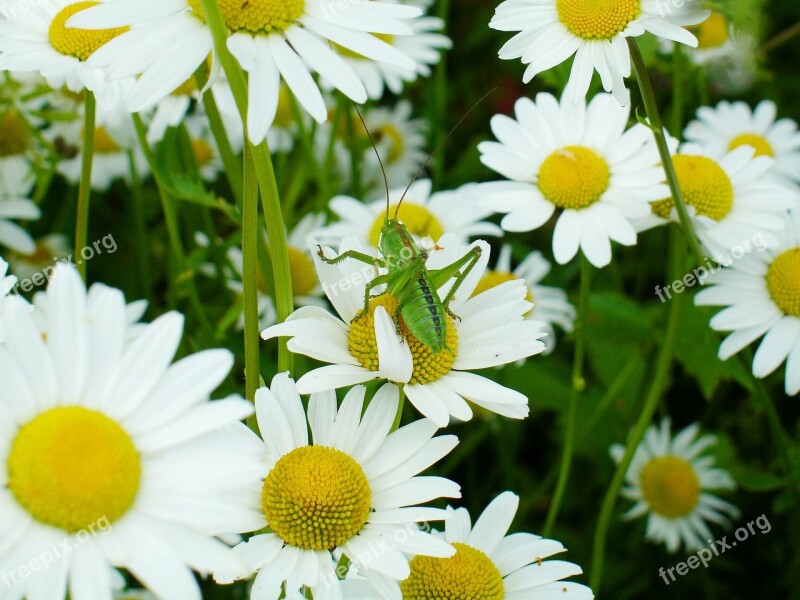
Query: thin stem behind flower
x,y
85,185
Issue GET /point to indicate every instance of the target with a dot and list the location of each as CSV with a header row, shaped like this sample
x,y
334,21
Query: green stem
x,y
401,405
85,186
273,215
250,276
657,127
140,227
233,166
578,385
173,229
657,388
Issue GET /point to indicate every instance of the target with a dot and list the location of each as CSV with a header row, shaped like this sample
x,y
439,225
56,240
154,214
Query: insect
x,y
407,278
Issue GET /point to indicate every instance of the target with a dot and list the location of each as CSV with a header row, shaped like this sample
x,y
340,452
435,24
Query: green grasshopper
x,y
408,279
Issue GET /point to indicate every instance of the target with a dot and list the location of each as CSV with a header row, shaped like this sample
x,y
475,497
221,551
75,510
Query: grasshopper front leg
x,y
459,269
354,254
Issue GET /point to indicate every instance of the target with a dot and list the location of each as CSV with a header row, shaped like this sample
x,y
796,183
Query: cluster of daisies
x,y
115,454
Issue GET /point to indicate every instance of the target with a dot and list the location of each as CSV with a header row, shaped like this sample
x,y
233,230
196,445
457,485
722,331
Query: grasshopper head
x,y
396,244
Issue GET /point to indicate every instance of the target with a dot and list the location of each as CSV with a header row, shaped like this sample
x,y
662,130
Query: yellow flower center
x,y
256,16
384,37
72,467
492,279
104,143
670,486
711,33
418,220
14,135
705,186
203,153
597,19
80,43
316,498
284,115
396,143
467,575
304,275
428,366
783,281
759,142
573,177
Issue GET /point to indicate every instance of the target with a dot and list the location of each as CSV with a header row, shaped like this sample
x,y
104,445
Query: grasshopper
x,y
408,279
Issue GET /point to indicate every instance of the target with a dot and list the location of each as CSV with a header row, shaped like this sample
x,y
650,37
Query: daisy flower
x,y
729,196
761,293
353,492
169,39
733,124
488,564
15,186
427,216
550,305
491,330
400,140
114,138
49,250
37,38
108,448
577,161
424,47
595,31
7,283
669,480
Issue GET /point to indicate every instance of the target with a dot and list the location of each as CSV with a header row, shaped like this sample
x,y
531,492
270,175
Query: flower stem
x,y
270,197
85,186
233,166
399,418
250,275
657,388
657,127
578,385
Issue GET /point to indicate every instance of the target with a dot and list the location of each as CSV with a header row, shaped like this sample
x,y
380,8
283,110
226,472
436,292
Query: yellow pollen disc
x,y
256,16
467,575
711,33
80,43
284,115
428,366
783,281
304,275
396,143
762,146
418,220
574,177
104,143
14,135
492,279
203,153
670,486
597,19
705,186
72,467
316,498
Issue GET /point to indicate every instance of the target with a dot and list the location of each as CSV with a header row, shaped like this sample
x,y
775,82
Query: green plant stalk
x,y
657,388
85,185
657,127
578,386
137,208
250,276
400,406
171,220
270,197
232,164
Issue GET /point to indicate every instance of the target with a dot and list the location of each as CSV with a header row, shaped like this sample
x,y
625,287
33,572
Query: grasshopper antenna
x,y
436,150
378,154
